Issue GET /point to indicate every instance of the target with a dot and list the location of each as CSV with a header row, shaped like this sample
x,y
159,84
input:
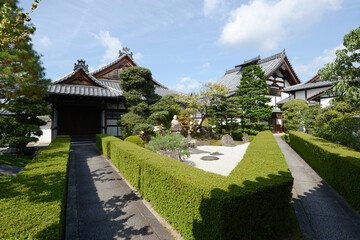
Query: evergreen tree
x,y
22,89
252,100
163,111
139,93
294,114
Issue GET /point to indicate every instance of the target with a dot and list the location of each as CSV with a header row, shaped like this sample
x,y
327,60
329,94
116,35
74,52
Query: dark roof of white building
x,y
317,84
269,65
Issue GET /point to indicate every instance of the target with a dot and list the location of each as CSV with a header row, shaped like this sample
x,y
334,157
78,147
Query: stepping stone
x,y
216,154
209,158
10,170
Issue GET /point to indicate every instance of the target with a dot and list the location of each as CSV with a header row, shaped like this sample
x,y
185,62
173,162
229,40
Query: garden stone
x,y
246,138
216,154
201,143
173,154
209,158
227,141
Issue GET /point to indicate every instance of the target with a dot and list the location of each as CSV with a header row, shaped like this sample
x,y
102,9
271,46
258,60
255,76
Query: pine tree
x,y
22,90
252,100
139,93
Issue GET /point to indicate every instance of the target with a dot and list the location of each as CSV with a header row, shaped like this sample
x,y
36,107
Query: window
x,y
114,114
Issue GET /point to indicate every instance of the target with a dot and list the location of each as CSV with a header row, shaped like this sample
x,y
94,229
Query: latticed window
x,y
114,114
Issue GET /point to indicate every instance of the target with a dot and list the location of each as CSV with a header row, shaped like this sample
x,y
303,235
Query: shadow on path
x,y
321,212
104,206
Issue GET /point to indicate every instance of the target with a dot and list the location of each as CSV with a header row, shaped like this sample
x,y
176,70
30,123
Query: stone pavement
x,y
10,170
101,205
321,212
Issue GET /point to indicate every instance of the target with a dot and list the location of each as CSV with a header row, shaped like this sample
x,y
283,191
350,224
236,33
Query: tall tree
x,y
163,111
293,114
139,93
22,89
13,21
252,100
345,70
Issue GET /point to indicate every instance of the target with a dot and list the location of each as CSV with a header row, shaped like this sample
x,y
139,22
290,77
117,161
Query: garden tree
x,y
252,100
345,70
293,114
22,89
338,124
310,115
13,27
163,111
139,93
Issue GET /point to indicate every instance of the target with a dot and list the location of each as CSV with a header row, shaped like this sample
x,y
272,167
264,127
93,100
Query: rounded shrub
x,y
135,139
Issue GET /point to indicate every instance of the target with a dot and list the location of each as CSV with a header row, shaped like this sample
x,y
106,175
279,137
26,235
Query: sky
x,y
186,43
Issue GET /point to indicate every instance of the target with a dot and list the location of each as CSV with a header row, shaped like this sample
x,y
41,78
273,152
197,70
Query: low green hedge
x,y
253,202
103,143
32,204
136,140
337,164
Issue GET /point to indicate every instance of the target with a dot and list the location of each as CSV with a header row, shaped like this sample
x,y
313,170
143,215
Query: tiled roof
x,y
232,77
285,100
110,64
82,90
317,84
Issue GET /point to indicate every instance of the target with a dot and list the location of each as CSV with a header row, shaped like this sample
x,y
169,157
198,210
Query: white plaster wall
x,y
300,95
312,92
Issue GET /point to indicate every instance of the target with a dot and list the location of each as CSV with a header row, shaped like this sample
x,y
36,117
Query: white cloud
x,y
263,24
206,66
91,69
112,45
44,42
311,69
186,84
138,56
211,5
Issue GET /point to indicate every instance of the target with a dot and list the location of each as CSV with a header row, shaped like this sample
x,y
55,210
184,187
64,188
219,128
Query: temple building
x,y
86,103
279,75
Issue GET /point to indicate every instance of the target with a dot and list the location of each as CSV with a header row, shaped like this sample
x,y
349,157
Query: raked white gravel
x,y
226,163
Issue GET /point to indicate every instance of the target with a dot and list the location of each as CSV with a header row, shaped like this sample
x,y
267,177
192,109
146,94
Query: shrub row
x,y
32,205
337,164
103,143
253,202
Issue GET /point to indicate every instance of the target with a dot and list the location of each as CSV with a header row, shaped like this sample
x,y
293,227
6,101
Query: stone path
x,y
10,170
101,205
321,212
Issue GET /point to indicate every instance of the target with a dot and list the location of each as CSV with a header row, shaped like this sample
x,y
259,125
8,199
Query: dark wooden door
x,y
80,122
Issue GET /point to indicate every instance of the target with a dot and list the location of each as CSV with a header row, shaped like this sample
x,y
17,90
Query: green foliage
x,y
139,93
103,142
293,114
13,27
163,111
203,103
337,123
169,142
136,140
310,115
32,204
252,100
22,83
286,138
338,165
203,205
14,161
345,70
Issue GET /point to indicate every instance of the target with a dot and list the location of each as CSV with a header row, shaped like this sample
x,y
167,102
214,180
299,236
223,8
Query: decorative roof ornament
x,y
81,64
126,51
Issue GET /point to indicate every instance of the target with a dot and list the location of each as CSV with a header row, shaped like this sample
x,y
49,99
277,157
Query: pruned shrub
x,y
169,142
32,204
204,205
136,140
337,164
103,143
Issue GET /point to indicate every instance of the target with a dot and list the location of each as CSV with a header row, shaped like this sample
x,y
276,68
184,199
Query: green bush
x,y
286,138
136,140
32,204
204,205
251,138
169,142
337,164
103,143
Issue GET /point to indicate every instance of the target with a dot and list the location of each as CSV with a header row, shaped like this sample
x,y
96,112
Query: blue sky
x,y
186,43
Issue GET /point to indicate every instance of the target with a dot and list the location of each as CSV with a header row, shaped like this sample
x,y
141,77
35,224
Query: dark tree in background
x,y
252,100
139,93
22,89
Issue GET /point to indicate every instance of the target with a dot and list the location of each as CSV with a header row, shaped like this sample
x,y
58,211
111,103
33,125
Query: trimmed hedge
x,y
32,204
103,143
136,140
253,202
337,164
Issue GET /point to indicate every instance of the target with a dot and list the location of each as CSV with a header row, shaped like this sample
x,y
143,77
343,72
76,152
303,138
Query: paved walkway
x,y
10,170
101,205
321,212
